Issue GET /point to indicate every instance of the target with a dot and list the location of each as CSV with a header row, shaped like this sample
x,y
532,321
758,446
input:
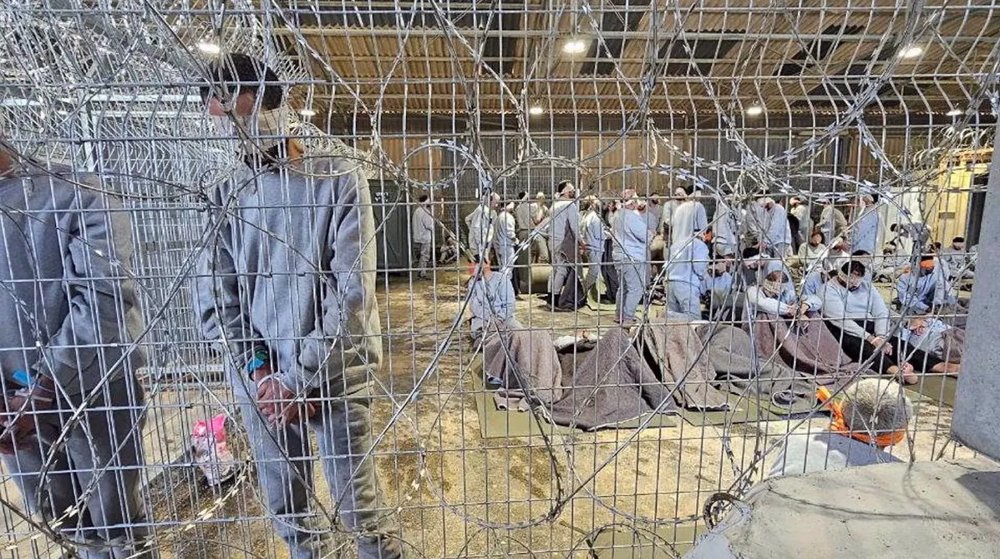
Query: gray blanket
x,y
608,384
731,353
806,346
677,348
527,365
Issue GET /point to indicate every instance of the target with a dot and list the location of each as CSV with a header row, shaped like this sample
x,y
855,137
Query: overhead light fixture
x,y
307,113
955,112
755,110
209,48
536,110
911,52
575,46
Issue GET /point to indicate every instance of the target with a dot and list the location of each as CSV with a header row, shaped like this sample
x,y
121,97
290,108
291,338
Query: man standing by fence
x,y
70,316
287,285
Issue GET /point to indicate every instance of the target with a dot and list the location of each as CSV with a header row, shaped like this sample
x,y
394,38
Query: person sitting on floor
x,y
933,346
925,289
872,415
811,253
891,265
790,327
492,301
522,361
858,317
961,262
717,291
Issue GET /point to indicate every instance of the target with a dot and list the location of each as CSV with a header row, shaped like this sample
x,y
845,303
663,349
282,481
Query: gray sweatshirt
x,y
292,269
845,308
68,306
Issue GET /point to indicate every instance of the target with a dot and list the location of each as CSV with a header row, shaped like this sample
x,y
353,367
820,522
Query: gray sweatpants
x,y
96,470
541,249
594,258
685,299
560,267
633,277
284,470
424,258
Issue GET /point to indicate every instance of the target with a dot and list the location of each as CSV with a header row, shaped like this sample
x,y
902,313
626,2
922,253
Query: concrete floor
x,y
471,496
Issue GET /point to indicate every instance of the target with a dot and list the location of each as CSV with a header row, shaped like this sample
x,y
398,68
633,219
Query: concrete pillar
x,y
976,423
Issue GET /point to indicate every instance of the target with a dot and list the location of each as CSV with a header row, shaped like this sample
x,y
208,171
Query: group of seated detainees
x,y
816,302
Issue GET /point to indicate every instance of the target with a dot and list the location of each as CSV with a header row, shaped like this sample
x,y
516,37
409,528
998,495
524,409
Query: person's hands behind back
x,y
279,404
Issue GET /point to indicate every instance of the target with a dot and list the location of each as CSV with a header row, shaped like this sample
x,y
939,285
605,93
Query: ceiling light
x,y
755,110
911,52
307,113
575,46
536,110
955,112
209,48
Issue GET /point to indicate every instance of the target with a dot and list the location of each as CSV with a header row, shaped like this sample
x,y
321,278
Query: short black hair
x,y
235,71
522,195
424,198
853,267
958,240
860,252
562,185
926,257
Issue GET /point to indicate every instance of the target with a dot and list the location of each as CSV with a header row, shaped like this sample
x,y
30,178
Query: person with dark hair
x,y
811,253
961,263
859,318
71,410
718,291
423,234
288,292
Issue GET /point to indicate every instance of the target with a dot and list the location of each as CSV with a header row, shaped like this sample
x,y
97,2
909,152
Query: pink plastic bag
x,y
211,453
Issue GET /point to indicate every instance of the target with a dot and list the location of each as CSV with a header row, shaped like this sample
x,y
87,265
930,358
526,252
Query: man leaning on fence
x,y
287,285
70,316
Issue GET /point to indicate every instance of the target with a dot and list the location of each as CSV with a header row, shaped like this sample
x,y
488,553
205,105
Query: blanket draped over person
x,y
525,362
676,346
731,352
805,345
608,383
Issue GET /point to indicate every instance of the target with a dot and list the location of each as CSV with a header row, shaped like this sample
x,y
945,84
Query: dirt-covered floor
x,y
460,495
